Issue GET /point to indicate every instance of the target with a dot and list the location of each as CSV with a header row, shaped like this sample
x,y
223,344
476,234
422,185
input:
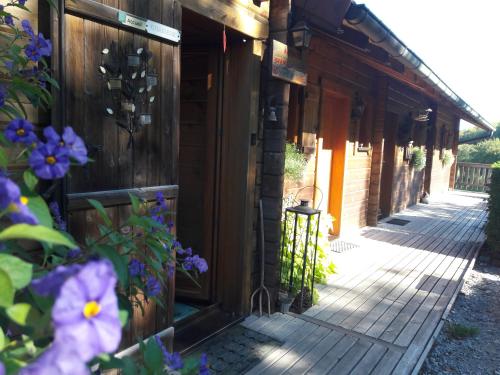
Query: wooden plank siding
x,y
378,314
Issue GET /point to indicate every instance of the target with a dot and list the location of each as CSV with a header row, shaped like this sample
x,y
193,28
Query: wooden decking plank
x,y
387,363
370,360
297,351
315,353
351,358
329,360
279,352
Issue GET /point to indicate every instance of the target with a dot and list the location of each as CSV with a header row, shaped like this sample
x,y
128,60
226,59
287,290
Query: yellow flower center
x,y
20,132
24,200
50,160
91,309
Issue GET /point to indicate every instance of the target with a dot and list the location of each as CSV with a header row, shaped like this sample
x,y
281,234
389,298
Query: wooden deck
x,y
380,313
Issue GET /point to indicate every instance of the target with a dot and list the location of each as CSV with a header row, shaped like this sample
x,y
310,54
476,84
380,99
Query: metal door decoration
x,y
129,81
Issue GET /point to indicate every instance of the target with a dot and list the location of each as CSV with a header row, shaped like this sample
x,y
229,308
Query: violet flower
x,y
2,369
56,213
3,95
172,360
25,24
14,204
49,161
204,365
38,47
50,284
86,311
20,130
153,287
59,359
136,268
72,142
9,20
195,262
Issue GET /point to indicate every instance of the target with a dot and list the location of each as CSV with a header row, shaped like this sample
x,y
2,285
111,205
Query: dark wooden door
x,y
150,164
198,163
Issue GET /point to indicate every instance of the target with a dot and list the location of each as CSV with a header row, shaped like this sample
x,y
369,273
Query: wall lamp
x,y
301,34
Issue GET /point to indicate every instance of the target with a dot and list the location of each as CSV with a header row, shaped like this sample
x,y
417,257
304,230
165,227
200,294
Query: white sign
x,y
151,27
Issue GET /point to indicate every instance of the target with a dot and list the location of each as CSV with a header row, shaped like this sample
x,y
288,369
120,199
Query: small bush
x,y
418,159
295,163
493,225
460,331
448,158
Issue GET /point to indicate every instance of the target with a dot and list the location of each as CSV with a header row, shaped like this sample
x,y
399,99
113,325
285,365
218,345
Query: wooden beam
x,y
231,15
79,201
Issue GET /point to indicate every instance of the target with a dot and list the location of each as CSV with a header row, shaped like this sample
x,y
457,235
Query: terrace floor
x,y
380,312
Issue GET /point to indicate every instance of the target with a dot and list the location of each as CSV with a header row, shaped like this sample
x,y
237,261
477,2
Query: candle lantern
x,y
300,257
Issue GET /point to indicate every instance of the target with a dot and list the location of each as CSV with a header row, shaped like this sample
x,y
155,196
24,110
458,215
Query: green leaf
x,y
6,290
4,160
153,356
123,314
30,179
101,211
136,204
119,262
35,233
39,207
2,339
129,366
19,271
19,313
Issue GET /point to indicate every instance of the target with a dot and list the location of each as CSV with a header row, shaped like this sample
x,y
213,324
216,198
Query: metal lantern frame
x,y
301,210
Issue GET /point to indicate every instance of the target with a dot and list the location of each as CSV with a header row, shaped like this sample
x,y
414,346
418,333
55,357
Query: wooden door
x,y
197,163
335,115
386,184
143,167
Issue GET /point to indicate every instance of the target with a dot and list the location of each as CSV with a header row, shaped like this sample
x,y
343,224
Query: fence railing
x,y
473,176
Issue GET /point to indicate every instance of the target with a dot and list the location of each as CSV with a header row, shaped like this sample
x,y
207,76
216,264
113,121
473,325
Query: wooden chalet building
x,y
213,131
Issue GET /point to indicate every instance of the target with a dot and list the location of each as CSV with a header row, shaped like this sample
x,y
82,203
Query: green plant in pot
x,y
418,159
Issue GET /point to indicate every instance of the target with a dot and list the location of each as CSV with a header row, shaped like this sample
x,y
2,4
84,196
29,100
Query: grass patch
x,y
460,332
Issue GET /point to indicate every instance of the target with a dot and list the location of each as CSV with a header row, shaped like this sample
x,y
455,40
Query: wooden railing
x,y
473,176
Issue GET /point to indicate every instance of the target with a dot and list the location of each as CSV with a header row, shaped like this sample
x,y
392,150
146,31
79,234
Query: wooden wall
x,y
445,136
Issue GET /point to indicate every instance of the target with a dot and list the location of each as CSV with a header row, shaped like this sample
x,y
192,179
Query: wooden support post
x,y
378,152
275,94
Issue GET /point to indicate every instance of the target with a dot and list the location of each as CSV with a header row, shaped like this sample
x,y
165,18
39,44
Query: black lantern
x,y
301,34
299,259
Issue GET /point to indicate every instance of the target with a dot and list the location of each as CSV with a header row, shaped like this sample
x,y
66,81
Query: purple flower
x,y
136,268
20,130
86,311
15,204
22,2
9,20
204,365
2,369
74,253
59,359
172,360
3,94
25,24
74,144
153,287
171,270
50,284
49,161
38,47
195,261
56,213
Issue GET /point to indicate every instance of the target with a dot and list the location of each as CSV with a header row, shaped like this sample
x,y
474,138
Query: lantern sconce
x,y
302,35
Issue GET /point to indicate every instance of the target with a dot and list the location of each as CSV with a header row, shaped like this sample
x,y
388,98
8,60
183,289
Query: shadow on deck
x,y
380,312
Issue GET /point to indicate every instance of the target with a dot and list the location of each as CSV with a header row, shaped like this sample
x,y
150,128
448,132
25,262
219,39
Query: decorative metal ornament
x,y
129,80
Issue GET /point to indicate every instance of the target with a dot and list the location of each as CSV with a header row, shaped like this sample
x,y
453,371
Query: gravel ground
x,y
477,305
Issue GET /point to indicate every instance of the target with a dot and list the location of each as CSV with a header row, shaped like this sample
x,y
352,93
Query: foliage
x,y
448,158
295,163
460,331
486,152
324,266
472,133
418,159
63,303
493,224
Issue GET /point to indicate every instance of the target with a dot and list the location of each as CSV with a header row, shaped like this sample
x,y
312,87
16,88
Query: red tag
x,y
224,39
